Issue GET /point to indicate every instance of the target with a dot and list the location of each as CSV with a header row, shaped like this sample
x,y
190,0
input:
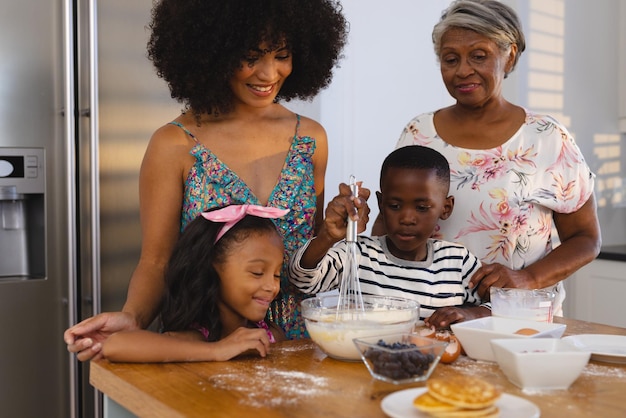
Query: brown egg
x,y
443,335
426,332
452,351
526,331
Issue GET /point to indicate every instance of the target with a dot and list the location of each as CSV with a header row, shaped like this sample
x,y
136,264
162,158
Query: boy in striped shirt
x,y
409,261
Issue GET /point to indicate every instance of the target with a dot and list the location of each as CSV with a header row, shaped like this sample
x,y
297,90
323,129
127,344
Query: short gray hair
x,y
490,18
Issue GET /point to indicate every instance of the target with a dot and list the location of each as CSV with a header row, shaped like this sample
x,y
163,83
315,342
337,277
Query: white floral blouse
x,y
505,196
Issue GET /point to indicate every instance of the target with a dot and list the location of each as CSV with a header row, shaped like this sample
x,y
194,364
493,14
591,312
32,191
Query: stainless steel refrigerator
x,y
78,103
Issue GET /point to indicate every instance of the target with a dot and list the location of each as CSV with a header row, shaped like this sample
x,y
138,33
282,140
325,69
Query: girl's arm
x,y
142,346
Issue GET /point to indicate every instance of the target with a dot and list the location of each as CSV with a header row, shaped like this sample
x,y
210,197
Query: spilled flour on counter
x,y
294,385
295,349
471,367
466,365
604,370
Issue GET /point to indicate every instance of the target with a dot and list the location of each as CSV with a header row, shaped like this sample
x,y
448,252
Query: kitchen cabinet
x,y
596,293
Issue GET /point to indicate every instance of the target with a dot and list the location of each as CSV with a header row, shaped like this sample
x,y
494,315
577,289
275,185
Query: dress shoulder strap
x,y
181,126
297,124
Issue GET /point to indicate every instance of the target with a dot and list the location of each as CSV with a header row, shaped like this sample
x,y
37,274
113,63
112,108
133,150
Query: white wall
x,y
390,74
591,98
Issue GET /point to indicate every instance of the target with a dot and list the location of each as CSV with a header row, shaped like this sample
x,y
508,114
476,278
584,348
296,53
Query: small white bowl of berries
x,y
400,358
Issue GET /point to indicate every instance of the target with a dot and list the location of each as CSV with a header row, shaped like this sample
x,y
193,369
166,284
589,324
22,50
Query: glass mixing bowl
x,y
333,329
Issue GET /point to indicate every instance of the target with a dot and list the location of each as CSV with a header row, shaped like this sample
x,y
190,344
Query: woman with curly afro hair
x,y
230,64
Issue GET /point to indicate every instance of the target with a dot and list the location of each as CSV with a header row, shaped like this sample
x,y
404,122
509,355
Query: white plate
x,y
603,347
400,405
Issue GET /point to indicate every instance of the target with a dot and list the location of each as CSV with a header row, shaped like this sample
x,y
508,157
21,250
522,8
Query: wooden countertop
x,y
297,380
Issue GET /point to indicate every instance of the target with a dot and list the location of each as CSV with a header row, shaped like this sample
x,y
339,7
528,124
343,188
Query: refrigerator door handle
x,y
88,141
94,141
70,175
94,179
89,208
83,138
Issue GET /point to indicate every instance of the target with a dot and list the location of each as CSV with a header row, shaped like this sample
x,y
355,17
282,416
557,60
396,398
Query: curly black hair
x,y
196,45
192,284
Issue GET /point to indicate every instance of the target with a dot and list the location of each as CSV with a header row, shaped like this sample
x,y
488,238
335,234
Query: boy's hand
x,y
335,224
344,206
443,317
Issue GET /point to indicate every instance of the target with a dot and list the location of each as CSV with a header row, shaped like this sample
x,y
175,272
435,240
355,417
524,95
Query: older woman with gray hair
x,y
515,174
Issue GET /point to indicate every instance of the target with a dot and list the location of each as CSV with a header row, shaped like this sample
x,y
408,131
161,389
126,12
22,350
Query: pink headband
x,y
234,213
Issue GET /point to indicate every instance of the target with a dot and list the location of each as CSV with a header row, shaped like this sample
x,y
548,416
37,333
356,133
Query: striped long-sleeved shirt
x,y
440,280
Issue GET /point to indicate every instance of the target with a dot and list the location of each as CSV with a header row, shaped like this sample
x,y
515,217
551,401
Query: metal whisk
x,y
350,304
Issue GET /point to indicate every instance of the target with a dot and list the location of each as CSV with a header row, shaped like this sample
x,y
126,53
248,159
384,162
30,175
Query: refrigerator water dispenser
x,y
22,231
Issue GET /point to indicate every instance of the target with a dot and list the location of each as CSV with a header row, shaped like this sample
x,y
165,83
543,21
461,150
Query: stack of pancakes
x,y
459,397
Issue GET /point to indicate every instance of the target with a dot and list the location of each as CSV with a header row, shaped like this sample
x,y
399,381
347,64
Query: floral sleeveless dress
x,y
211,183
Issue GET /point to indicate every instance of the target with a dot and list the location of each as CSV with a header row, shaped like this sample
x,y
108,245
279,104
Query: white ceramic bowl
x,y
539,363
400,358
475,335
333,330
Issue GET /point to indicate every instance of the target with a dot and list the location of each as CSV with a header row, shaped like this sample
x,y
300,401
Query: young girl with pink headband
x,y
223,274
